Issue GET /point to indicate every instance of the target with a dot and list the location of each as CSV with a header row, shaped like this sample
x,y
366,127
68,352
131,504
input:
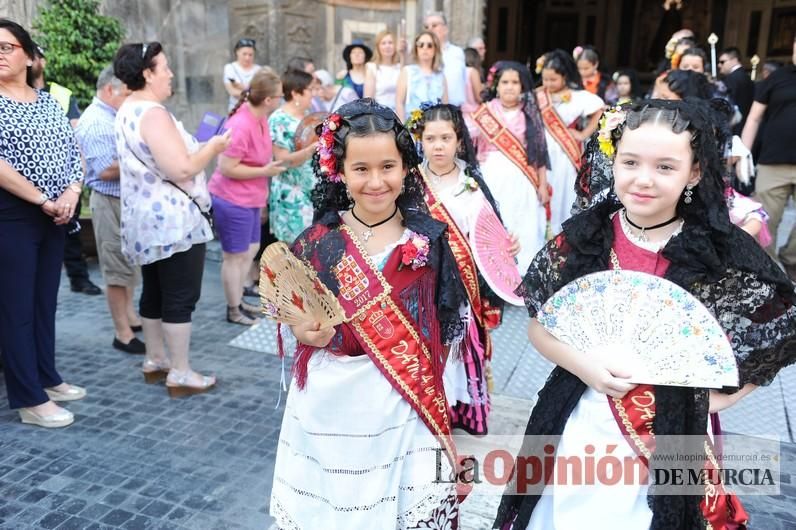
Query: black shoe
x,y
135,346
252,291
86,287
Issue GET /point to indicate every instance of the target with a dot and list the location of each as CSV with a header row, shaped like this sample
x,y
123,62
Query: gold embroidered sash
x,y
558,129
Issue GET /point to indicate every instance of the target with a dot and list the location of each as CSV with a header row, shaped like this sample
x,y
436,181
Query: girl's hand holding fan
x,y
653,329
291,292
312,334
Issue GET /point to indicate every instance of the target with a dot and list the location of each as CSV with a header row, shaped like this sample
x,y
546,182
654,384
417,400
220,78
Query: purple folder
x,y
211,125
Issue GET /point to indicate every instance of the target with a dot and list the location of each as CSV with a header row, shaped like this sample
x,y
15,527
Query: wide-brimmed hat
x,y
357,43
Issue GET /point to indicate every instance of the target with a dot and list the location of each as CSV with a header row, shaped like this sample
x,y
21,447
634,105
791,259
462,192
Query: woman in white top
x,y
381,77
165,213
238,74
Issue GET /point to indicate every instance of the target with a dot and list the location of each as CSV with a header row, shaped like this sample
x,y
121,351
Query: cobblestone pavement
x,y
136,459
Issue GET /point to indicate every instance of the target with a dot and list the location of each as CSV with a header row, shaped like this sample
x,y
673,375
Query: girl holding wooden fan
x,y
664,215
456,194
368,394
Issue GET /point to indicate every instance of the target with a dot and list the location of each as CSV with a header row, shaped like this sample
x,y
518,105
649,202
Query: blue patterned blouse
x,y
37,140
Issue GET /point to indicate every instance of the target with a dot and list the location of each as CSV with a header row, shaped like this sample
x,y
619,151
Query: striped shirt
x,y
95,134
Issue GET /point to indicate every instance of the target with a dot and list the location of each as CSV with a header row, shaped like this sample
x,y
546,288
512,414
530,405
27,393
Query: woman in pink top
x,y
239,188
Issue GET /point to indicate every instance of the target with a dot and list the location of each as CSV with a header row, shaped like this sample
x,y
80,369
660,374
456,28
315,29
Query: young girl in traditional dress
x,y
665,215
511,146
366,415
455,194
570,115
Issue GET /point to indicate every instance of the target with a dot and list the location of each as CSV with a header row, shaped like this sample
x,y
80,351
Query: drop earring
x,y
688,194
348,194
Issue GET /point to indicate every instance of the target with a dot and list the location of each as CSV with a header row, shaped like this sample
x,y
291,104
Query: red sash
x,y
558,129
635,414
503,139
386,333
488,317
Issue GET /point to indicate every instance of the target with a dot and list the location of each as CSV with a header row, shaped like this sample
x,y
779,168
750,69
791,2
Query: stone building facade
x,y
198,35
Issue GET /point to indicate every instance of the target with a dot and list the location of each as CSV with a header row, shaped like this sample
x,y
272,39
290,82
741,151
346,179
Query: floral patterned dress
x,y
289,203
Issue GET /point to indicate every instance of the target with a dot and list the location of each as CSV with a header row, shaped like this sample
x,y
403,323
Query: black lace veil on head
x,y
362,118
535,143
564,64
595,180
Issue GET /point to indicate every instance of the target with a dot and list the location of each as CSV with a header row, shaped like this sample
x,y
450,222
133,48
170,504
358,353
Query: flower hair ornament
x,y
670,47
415,121
576,52
610,122
325,148
490,76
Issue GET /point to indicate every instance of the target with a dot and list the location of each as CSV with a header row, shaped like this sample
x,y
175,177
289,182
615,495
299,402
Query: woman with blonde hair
x,y
381,78
424,80
239,187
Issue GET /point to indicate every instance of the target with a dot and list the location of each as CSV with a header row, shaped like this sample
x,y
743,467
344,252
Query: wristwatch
x,y
42,199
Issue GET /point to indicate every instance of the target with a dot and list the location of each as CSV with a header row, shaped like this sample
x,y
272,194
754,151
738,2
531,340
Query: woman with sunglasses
x,y
424,80
239,73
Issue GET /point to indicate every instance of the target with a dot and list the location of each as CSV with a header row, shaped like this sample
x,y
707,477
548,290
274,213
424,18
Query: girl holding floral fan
x,y
663,214
509,137
366,418
455,194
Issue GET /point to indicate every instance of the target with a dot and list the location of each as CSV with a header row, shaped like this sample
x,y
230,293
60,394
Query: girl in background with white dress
x,y
570,115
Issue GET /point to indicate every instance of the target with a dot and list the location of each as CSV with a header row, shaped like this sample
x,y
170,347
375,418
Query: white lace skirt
x,y
592,506
353,454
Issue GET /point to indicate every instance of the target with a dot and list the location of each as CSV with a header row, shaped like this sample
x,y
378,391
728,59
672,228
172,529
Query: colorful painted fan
x,y
654,328
305,130
490,243
291,292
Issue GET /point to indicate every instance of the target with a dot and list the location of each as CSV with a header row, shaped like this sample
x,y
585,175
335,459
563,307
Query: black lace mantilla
x,y
323,249
749,295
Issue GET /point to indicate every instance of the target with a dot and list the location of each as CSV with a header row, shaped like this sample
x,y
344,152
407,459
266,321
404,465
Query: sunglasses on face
x,y
425,44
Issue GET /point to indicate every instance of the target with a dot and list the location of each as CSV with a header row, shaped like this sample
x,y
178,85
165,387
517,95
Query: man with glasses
x,y
738,83
452,58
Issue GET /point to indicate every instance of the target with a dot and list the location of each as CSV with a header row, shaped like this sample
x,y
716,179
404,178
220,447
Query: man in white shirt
x,y
452,58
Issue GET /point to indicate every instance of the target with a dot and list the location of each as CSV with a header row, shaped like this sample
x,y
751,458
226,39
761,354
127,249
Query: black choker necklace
x,y
437,178
367,234
653,227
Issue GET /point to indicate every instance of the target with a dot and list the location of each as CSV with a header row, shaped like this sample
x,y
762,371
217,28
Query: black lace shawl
x,y
748,294
324,251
